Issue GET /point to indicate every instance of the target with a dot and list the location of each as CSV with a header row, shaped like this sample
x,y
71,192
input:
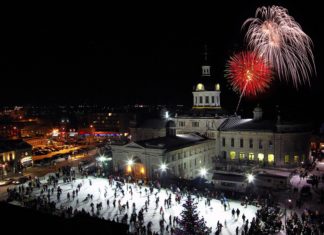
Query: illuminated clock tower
x,y
206,94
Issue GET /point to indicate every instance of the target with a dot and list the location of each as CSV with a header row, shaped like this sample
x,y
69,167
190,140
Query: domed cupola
x,y
206,94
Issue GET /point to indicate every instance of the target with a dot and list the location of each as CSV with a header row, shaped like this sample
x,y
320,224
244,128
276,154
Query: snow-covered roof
x,y
172,142
238,124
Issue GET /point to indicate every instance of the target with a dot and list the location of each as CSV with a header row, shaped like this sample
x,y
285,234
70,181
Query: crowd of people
x,y
267,220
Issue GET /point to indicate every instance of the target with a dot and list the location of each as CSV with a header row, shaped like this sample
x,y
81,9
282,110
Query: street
x,y
40,171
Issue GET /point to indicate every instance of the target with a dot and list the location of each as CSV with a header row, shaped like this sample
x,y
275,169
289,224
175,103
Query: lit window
x,y
200,87
260,157
251,156
242,156
270,158
129,169
286,159
232,155
296,158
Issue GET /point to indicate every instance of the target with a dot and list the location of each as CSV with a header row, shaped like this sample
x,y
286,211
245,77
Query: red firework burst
x,y
248,73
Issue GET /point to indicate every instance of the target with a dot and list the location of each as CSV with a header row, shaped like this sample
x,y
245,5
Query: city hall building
x,y
207,137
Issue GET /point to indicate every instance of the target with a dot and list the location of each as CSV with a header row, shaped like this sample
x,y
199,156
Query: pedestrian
x,y
237,230
237,212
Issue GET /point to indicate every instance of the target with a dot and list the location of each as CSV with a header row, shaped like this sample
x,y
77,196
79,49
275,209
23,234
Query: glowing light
x,y
163,167
55,132
279,39
129,169
102,158
200,87
203,172
250,178
130,162
167,114
248,73
142,170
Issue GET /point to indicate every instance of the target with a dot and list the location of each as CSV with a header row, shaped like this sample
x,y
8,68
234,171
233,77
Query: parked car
x,y
6,182
21,180
310,179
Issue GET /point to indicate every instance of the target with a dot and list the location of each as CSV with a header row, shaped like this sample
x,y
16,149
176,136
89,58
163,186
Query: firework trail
x,y
279,39
248,74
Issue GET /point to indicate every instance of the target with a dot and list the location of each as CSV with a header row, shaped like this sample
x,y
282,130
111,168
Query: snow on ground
x,y
213,213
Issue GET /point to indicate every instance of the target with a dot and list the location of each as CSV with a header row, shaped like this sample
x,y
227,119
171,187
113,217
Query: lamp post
x,y
163,168
203,172
103,160
250,178
130,163
289,203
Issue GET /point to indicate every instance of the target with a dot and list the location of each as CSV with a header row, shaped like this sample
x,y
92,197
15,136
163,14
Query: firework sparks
x,y
279,39
248,73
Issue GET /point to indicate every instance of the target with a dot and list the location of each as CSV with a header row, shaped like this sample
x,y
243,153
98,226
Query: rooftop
x,y
238,124
172,142
229,177
10,145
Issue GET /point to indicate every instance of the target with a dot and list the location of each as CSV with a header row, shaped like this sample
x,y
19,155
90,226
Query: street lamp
x,y
250,178
130,162
163,167
203,172
289,201
102,159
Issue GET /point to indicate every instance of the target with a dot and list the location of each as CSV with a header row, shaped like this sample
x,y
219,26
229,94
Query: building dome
x,y
200,87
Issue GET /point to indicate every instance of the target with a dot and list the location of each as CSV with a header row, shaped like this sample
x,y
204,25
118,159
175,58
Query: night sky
x,y
139,55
